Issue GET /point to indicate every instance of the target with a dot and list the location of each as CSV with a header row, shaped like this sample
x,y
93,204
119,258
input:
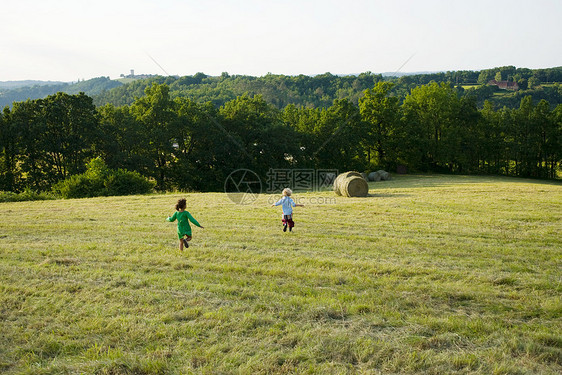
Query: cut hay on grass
x,y
431,274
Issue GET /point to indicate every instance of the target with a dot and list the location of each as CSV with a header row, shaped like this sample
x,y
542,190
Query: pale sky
x,y
68,40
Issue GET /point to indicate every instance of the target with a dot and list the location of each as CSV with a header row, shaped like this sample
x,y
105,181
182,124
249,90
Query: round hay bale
x,y
341,177
384,175
364,175
354,186
374,176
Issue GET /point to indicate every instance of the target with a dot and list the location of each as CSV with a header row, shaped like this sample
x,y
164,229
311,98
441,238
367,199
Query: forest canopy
x,y
183,144
317,91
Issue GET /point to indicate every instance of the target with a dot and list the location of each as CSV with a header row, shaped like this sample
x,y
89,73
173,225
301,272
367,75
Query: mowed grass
x,y
430,274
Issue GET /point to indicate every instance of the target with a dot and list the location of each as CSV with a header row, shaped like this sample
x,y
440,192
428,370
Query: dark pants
x,y
288,220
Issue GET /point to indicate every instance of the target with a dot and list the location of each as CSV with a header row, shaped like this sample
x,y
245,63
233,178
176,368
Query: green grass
x,y
125,80
428,275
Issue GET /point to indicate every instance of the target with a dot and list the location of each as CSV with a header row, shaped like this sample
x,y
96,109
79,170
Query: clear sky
x,y
74,39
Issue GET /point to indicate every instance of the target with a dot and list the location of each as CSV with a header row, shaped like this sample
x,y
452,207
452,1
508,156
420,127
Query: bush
x,y
99,180
26,195
79,186
122,182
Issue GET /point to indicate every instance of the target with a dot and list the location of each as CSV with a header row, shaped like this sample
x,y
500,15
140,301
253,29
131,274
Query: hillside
x,y
318,91
27,83
428,275
91,87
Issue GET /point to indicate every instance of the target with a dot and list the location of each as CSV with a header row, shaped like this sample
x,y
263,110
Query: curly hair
x,y
181,204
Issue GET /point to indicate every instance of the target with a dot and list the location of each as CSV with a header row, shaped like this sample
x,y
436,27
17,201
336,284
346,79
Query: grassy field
x,y
125,80
430,274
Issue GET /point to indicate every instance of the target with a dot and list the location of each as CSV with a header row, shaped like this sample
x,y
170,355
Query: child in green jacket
x,y
183,217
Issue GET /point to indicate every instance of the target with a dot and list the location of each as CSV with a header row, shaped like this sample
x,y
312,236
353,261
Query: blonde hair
x,y
287,192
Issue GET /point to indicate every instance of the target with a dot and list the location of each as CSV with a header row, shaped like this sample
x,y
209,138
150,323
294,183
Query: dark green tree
x,y
201,147
155,114
256,130
493,148
463,137
29,119
429,112
382,114
546,136
9,152
70,128
340,136
555,146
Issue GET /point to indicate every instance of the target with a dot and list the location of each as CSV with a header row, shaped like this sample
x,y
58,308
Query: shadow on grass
x,y
439,180
387,195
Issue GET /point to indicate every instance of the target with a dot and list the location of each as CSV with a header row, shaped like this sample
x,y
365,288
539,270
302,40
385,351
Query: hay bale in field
x,y
374,176
354,187
364,175
339,180
384,175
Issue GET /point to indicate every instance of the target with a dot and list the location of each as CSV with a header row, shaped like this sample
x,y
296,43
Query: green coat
x,y
183,218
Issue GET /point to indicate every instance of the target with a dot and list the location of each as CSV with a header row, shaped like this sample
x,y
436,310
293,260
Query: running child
x,y
183,217
287,203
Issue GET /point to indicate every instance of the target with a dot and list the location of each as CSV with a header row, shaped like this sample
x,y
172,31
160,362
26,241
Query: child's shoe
x,y
185,243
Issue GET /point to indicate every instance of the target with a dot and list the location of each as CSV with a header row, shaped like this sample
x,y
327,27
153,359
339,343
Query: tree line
x,y
317,91
182,144
320,91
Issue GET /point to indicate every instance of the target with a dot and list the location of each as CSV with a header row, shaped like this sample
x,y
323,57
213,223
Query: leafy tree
x,y
202,147
429,112
555,144
340,138
523,83
493,145
9,150
29,119
533,82
70,127
525,146
121,142
303,122
155,114
484,77
382,113
255,128
546,138
463,137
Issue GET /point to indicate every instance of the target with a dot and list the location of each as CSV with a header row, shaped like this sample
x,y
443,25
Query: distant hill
x,y
401,74
309,91
91,87
321,90
28,83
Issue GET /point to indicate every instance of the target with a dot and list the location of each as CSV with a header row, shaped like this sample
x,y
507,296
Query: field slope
x,y
430,274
